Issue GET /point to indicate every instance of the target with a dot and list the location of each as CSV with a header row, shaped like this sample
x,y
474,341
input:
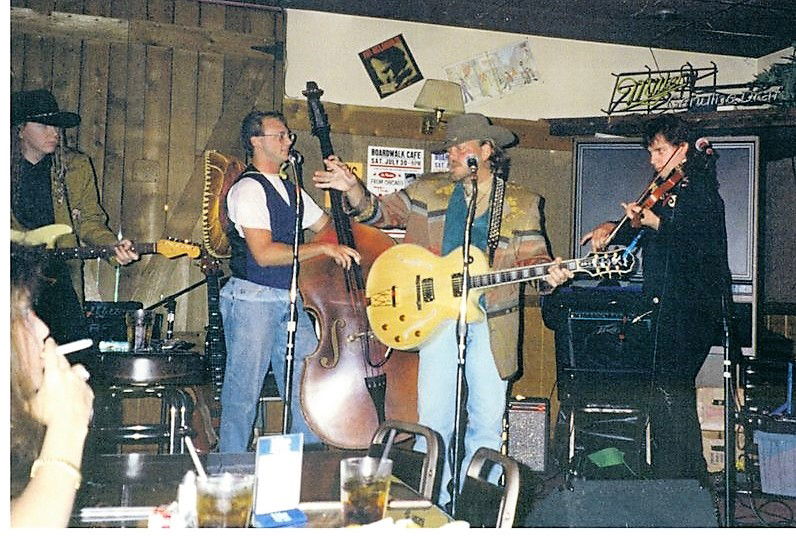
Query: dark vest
x,y
282,215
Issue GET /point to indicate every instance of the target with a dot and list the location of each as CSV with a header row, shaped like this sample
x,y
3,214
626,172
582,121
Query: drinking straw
x,y
385,453
195,458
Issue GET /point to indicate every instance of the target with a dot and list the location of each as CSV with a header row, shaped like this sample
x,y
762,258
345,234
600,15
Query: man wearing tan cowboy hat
x,y
433,212
53,184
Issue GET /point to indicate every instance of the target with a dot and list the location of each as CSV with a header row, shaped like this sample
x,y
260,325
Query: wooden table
x,y
148,480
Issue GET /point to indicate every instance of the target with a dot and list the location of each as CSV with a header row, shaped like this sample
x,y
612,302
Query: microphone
x,y
292,137
295,157
703,146
472,163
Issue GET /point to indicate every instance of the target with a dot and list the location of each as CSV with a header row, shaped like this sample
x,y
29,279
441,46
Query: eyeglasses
x,y
281,135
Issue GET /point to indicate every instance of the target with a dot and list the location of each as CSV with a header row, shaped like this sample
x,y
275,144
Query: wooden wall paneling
x,y
538,362
181,155
67,58
153,187
210,83
91,137
17,61
135,92
112,185
38,62
182,219
271,24
236,20
160,10
209,103
76,6
38,52
280,32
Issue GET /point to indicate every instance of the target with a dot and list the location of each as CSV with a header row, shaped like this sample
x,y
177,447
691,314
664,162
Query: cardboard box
x,y
710,407
713,449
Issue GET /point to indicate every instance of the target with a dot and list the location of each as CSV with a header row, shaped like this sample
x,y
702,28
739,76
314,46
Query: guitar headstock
x,y
209,264
172,248
609,263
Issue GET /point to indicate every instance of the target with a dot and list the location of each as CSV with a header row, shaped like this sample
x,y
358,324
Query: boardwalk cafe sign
x,y
686,88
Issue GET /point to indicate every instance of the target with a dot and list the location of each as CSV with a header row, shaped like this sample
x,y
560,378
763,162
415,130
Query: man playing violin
x,y
686,280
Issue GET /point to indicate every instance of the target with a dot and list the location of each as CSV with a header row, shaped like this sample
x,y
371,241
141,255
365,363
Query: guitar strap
x,y
495,216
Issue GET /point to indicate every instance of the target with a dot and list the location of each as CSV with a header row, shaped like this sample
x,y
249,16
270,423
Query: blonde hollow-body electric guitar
x,y
411,291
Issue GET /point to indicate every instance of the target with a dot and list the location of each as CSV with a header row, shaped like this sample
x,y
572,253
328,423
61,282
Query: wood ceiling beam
x,y
399,123
139,32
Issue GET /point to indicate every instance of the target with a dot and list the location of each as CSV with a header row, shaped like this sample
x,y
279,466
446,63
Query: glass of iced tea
x,y
224,500
364,489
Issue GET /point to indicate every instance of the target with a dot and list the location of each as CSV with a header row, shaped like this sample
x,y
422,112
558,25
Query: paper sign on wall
x,y
393,168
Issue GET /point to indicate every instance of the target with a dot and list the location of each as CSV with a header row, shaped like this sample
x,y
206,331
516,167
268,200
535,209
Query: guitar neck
x,y
519,275
215,347
104,252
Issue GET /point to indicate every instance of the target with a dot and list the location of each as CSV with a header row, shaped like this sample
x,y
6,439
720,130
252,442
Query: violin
x,y
657,190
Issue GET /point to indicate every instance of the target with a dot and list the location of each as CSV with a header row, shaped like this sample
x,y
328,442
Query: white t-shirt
x,y
247,206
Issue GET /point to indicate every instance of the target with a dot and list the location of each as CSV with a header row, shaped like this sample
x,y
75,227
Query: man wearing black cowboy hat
x,y
52,184
433,212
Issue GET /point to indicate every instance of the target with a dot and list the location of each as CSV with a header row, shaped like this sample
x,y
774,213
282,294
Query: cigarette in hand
x,y
74,346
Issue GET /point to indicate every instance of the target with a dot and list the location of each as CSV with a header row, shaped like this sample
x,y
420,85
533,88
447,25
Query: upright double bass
x,y
351,382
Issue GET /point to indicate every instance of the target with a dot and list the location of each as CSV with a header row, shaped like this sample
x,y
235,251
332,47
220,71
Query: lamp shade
x,y
441,95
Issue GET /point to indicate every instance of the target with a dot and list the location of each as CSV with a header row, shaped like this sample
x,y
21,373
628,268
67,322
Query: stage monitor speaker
x,y
626,503
528,432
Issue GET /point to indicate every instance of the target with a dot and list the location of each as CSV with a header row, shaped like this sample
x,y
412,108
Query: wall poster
x,y
391,66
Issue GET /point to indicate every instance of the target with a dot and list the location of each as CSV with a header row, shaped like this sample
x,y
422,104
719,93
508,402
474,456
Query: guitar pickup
x,y
424,291
427,287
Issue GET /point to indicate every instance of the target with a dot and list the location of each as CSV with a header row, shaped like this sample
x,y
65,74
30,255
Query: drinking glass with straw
x,y
365,486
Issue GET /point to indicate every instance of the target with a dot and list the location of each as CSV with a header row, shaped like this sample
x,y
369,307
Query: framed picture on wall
x,y
391,66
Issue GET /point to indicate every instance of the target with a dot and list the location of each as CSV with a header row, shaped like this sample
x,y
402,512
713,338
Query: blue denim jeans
x,y
436,396
255,321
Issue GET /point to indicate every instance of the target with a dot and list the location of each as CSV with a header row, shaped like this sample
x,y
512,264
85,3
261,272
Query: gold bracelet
x,y
69,467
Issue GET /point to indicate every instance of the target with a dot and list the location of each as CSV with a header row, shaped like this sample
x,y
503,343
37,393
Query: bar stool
x,y
162,375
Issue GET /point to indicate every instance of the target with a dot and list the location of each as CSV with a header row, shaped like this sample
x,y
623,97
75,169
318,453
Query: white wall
x,y
765,62
575,76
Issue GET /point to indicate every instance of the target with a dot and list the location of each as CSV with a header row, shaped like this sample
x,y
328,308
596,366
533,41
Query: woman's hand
x,y
64,395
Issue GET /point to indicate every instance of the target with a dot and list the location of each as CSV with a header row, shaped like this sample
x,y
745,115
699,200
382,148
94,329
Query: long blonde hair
x,y
26,432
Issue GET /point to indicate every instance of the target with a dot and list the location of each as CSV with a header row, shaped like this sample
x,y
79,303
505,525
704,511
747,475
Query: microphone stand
x,y
296,160
729,421
461,332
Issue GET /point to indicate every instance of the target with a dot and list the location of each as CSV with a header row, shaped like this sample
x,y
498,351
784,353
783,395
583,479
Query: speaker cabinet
x,y
626,503
528,432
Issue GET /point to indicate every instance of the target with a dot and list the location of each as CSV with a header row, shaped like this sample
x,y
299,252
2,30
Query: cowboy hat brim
x,y
473,126
56,119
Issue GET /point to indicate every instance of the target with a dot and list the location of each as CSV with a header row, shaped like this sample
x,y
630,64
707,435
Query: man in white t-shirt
x,y
255,302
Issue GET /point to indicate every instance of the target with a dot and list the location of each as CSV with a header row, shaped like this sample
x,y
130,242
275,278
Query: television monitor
x,y
609,171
